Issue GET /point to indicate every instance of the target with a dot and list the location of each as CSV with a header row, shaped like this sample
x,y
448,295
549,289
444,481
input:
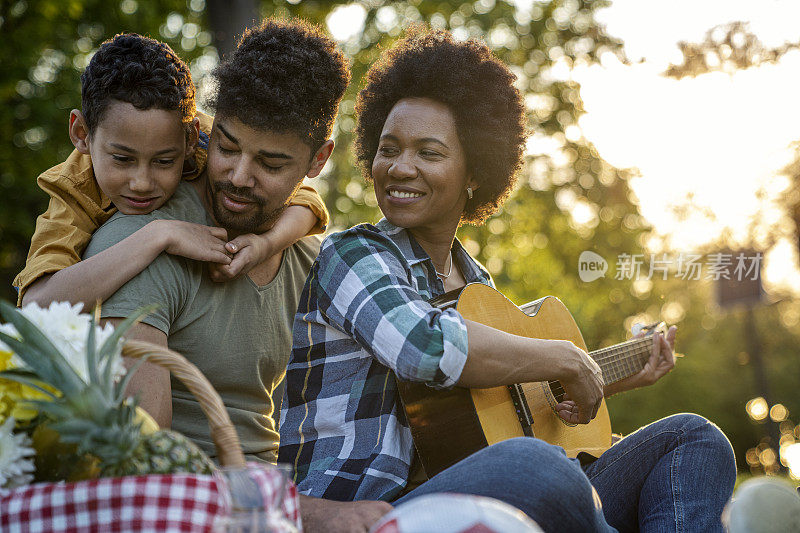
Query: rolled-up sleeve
x,y
367,291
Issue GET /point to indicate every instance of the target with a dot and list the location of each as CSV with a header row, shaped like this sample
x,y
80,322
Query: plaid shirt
x,y
364,315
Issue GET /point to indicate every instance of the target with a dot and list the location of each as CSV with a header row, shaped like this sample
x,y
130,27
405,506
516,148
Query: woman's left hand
x,y
660,363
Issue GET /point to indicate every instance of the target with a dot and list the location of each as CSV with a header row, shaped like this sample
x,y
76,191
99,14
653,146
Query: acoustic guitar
x,y
449,425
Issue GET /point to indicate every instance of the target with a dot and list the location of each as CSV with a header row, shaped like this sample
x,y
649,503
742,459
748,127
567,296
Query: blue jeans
x,y
673,475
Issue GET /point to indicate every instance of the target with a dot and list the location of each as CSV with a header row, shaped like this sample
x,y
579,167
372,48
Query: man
x,y
277,99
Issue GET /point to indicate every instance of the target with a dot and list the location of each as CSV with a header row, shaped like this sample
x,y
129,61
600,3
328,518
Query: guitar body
x,y
450,425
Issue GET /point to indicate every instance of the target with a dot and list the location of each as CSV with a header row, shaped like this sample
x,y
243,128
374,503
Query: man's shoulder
x,y
308,247
184,205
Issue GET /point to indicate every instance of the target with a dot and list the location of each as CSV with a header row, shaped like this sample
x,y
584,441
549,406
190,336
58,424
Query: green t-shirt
x,y
237,333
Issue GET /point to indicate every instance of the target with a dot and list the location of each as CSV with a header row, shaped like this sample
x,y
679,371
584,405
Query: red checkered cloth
x,y
270,482
173,502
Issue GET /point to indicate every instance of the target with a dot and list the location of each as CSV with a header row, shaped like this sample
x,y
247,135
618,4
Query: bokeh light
x,y
790,457
757,408
778,413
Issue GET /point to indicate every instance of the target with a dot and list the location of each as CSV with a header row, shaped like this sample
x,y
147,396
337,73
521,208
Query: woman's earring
x,y
469,193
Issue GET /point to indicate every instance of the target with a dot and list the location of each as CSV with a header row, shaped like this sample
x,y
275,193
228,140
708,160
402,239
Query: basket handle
x,y
226,440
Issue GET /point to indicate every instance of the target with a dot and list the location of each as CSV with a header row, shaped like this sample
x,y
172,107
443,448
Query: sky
x,y
720,139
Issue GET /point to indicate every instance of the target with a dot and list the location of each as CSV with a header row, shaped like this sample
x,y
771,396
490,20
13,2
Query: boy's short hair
x,y
284,76
140,71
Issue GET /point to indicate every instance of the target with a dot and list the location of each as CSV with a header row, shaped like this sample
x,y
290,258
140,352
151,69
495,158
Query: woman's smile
x,y
403,195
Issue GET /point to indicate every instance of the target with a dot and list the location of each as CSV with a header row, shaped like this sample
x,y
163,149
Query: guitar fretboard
x,y
622,360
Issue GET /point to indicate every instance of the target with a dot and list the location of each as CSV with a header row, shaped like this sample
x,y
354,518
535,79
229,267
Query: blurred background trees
x,y
568,199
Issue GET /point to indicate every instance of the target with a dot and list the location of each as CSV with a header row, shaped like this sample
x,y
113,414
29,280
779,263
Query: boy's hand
x,y
249,251
194,241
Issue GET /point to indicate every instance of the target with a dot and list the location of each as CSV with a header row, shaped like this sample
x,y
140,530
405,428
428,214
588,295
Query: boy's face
x,y
137,156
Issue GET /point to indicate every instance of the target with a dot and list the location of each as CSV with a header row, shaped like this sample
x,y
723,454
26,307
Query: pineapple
x,y
94,418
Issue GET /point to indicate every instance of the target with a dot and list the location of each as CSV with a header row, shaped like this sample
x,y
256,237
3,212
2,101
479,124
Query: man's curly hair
x,y
476,87
139,70
284,76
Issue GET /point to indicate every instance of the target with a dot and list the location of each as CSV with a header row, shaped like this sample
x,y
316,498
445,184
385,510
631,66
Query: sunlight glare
x,y
345,22
757,408
790,455
712,143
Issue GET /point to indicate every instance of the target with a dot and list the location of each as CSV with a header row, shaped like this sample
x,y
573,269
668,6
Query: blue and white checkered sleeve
x,y
366,289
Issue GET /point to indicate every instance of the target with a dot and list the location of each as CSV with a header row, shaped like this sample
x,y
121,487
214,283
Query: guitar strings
x,y
620,359
606,353
617,372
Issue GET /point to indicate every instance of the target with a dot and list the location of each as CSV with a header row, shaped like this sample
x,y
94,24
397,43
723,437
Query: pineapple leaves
x,y
109,347
51,368
31,356
91,347
128,376
69,381
27,378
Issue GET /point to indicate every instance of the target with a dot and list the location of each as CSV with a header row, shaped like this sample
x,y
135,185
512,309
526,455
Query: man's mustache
x,y
242,193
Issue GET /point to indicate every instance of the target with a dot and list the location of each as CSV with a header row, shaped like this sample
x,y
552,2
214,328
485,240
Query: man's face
x,y
138,155
252,174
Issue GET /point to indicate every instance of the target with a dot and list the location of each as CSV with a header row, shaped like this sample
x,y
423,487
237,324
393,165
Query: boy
x,y
136,138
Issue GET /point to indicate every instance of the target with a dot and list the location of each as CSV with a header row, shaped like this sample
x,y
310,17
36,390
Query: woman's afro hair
x,y
140,71
284,76
479,91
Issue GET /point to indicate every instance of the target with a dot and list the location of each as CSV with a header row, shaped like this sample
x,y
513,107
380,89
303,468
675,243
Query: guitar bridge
x,y
523,410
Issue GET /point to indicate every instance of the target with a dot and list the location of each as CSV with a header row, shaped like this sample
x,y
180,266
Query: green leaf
x,y
69,380
32,357
110,345
55,409
91,351
127,379
28,379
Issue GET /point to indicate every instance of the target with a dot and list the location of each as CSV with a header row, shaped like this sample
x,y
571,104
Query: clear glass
x,y
244,503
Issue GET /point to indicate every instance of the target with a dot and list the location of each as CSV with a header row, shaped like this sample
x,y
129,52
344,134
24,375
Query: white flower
x,y
16,463
67,328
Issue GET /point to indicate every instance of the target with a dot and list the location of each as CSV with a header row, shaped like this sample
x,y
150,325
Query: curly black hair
x,y
284,76
476,87
139,70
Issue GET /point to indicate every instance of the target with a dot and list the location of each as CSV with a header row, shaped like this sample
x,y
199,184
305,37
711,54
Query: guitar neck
x,y
622,360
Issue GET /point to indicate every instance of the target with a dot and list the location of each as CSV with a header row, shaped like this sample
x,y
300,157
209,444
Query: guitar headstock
x,y
648,329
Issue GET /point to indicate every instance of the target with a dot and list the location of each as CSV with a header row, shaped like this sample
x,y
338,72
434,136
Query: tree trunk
x,y
228,20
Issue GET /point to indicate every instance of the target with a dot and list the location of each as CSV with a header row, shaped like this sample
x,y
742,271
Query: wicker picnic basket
x,y
171,502
226,440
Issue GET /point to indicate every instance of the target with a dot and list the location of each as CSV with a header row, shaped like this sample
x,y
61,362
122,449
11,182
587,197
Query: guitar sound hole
x,y
557,390
556,396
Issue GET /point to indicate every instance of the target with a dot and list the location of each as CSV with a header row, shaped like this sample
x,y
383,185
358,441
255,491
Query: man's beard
x,y
257,220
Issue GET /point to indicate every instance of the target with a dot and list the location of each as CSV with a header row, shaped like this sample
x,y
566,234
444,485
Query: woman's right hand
x,y
583,384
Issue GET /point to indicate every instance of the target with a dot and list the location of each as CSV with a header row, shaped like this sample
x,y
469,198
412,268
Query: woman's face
x,y
419,171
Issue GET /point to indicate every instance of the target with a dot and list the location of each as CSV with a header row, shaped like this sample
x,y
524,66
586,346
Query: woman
x,y
440,135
